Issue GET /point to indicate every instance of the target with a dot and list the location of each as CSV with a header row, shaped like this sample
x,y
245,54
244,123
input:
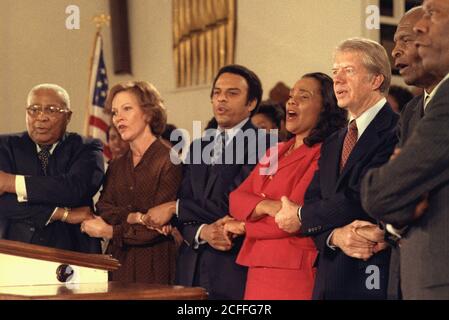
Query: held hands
x,y
160,215
375,234
234,228
97,228
78,215
155,217
138,218
135,218
214,235
287,218
359,239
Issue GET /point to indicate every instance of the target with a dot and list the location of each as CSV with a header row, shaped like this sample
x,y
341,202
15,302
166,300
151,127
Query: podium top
x,y
26,250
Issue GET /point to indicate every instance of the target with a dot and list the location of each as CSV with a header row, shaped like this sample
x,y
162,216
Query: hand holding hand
x,y
234,228
213,234
97,228
160,215
135,218
352,244
373,233
287,218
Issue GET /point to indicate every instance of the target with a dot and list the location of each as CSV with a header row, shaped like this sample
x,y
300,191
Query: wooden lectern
x,y
35,272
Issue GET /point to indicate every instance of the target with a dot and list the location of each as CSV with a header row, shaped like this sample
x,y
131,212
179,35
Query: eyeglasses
x,y
49,110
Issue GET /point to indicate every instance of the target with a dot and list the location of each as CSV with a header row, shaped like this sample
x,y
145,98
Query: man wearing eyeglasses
x,y
49,176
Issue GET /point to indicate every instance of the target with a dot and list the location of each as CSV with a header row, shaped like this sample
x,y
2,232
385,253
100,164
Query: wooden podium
x,y
35,272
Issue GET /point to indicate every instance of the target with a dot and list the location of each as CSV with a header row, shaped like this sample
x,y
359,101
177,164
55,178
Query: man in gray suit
x,y
409,63
420,171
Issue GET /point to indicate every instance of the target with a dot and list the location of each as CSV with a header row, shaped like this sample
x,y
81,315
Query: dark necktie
x,y
349,143
219,148
43,156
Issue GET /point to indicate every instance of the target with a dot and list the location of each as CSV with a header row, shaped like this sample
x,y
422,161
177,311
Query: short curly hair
x,y
149,100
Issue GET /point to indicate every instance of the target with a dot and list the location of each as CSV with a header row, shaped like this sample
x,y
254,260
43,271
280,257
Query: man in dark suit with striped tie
x,y
420,172
48,176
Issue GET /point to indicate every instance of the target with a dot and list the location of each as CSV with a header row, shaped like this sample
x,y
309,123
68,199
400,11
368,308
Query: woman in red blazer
x,y
281,265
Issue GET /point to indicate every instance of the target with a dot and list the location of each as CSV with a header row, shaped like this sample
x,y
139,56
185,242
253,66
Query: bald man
x,y
45,171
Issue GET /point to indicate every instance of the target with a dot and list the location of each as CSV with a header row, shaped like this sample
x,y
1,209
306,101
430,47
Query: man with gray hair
x,y
48,176
352,262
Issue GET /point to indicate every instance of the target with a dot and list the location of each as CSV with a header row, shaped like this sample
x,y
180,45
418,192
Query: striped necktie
x,y
349,143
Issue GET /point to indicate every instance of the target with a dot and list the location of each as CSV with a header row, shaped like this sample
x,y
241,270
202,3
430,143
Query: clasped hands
x,y
158,218
359,239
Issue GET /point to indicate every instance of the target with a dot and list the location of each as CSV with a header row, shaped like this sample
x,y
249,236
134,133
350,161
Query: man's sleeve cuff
x,y
328,241
177,208
396,232
197,238
21,190
49,219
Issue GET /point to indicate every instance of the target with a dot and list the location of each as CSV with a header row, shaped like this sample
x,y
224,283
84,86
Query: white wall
x,y
278,39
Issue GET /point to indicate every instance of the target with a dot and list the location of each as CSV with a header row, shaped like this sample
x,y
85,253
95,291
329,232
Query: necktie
x,y
349,143
219,148
43,156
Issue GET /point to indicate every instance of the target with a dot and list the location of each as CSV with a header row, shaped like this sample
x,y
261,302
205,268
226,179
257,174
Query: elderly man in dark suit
x,y
421,171
45,172
215,166
350,266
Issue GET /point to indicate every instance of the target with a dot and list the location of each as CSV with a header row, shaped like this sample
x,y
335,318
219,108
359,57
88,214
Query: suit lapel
x,y
213,172
26,157
330,169
417,115
294,157
368,140
207,173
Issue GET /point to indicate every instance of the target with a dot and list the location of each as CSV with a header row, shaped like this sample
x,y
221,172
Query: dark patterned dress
x,y
145,255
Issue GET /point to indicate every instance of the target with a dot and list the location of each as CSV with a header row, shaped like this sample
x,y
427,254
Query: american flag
x,y
98,121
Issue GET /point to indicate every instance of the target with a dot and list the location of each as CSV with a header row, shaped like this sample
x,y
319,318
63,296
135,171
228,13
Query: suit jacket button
x,y
263,195
32,229
271,178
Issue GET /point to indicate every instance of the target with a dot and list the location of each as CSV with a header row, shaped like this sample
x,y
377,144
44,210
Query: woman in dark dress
x,y
139,180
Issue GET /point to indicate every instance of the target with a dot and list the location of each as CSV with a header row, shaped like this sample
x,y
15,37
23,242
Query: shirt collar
x,y
51,149
230,133
366,117
434,91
